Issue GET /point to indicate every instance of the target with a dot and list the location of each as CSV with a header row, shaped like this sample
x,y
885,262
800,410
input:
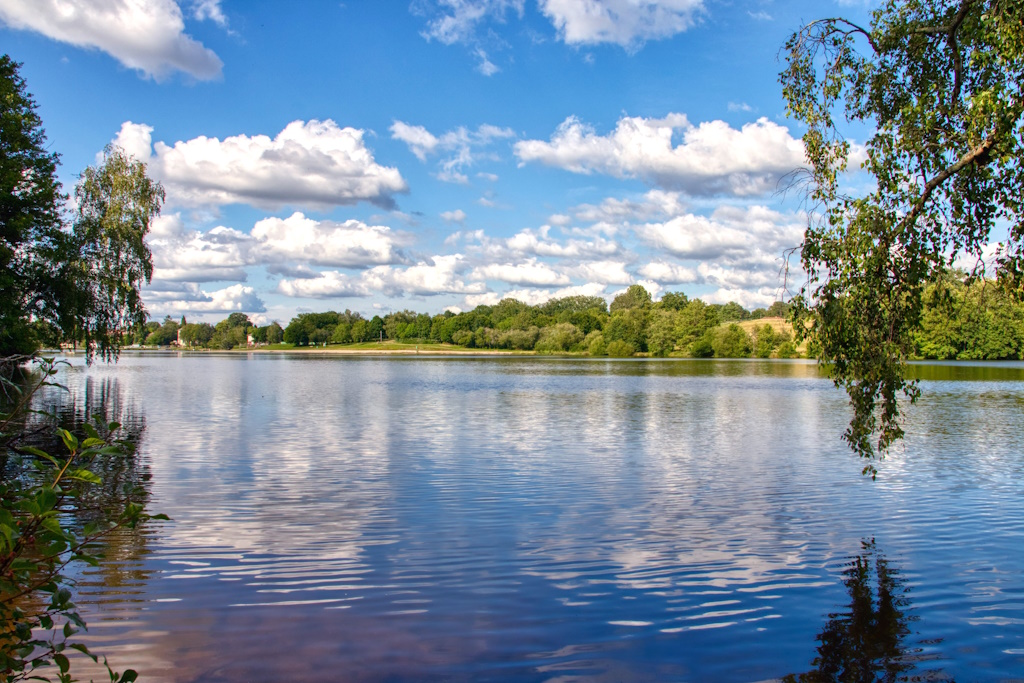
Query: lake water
x,y
537,519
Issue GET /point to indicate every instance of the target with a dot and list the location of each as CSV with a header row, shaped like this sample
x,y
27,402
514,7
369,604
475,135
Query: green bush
x,y
620,349
731,342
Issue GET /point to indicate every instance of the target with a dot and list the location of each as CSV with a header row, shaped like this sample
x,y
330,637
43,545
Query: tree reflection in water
x,y
867,643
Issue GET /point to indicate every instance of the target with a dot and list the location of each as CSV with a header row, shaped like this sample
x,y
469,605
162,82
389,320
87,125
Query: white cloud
x,y
738,278
439,275
527,243
219,254
623,22
456,21
456,216
460,143
615,212
694,237
761,298
209,9
146,36
486,66
730,233
740,106
534,297
668,273
351,244
530,272
189,298
324,286
421,142
314,164
604,272
711,158
166,226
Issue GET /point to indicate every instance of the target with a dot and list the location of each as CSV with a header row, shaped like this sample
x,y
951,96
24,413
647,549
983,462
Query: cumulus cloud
x,y
315,164
530,272
612,213
459,146
533,243
324,286
730,233
668,273
711,158
456,216
189,298
218,254
623,22
351,244
146,36
603,272
534,297
750,300
439,275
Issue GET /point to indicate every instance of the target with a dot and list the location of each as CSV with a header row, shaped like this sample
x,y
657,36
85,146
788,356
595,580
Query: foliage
x,y
31,239
965,319
635,296
117,202
81,281
731,342
939,83
48,523
620,349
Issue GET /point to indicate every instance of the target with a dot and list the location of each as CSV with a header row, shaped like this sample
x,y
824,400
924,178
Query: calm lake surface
x,y
536,519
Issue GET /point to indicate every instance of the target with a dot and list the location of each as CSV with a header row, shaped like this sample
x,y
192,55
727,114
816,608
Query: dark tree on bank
x,y
939,84
30,217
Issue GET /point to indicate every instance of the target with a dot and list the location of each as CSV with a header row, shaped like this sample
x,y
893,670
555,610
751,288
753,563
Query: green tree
x,y
31,240
559,338
731,342
695,320
275,335
663,331
765,341
197,334
628,325
675,301
620,349
117,202
732,311
164,335
938,82
635,296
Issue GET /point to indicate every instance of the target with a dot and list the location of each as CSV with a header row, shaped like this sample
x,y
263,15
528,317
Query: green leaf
x,y
84,650
62,662
38,452
85,475
128,676
69,439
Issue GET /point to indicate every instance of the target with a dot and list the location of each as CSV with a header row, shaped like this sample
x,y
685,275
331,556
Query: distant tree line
x,y
961,320
235,330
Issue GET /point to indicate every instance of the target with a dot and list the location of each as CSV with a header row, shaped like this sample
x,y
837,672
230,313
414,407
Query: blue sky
x,y
433,154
